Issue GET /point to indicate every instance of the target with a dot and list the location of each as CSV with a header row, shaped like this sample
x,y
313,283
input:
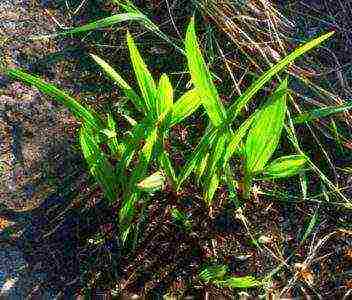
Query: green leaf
x,y
98,163
131,195
217,275
244,282
127,210
130,8
244,99
264,134
211,187
115,148
102,23
311,225
185,106
235,139
320,113
82,113
201,78
213,273
197,157
131,15
217,154
167,167
145,80
181,218
285,166
202,166
130,145
127,90
164,95
152,183
211,181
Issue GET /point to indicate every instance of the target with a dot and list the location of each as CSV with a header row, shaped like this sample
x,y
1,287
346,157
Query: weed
x,y
142,148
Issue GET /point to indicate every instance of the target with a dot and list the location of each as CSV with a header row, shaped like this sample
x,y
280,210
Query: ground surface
x,y
32,137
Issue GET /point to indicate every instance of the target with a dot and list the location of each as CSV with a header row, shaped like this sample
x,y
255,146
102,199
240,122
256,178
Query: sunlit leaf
x,y
235,139
202,166
212,273
152,183
241,282
246,97
131,195
145,80
164,95
185,106
265,132
78,110
285,166
201,78
116,148
98,163
127,90
198,154
211,187
167,167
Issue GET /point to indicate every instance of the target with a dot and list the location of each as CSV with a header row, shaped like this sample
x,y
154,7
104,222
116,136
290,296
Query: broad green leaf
x,y
285,166
152,183
201,78
264,134
213,273
164,96
320,113
185,106
244,99
98,163
79,111
145,80
127,90
241,282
